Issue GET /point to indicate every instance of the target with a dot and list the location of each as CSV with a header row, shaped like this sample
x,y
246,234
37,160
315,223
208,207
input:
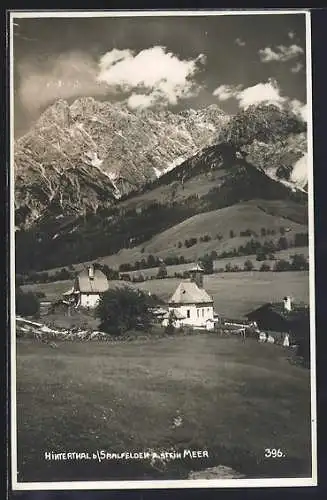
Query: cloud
x,y
240,42
152,75
291,35
139,101
299,109
281,54
262,93
297,67
225,92
267,93
65,76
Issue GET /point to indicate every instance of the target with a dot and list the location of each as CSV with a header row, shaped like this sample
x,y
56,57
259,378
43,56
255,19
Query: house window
x,y
188,313
202,313
198,312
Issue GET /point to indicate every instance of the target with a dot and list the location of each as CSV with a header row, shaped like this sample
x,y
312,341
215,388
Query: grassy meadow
x,y
233,399
234,294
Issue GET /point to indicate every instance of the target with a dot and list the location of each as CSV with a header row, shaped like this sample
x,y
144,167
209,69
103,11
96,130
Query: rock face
x,y
219,472
83,156
273,140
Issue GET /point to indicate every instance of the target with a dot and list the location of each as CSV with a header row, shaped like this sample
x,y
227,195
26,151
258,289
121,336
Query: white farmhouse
x,y
190,304
88,287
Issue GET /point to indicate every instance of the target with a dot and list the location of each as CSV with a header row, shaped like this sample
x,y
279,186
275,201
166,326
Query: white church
x,y
190,305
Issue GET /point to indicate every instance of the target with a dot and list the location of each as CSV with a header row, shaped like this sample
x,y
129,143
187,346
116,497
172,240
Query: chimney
x,y
287,303
91,272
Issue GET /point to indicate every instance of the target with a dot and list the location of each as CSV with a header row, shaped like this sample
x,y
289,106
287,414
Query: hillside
x,y
215,178
82,157
215,228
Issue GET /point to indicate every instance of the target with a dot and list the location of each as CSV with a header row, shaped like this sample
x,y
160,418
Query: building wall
x,y
195,315
89,300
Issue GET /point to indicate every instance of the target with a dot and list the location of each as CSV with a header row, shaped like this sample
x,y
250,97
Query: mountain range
x,y
93,178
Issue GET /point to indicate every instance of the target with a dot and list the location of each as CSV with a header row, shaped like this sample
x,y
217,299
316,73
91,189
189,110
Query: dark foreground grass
x,y
235,399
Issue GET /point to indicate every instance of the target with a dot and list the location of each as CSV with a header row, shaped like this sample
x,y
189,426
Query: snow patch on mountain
x,y
299,175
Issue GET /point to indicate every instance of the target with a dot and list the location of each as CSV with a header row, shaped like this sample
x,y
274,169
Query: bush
x,y
123,309
299,262
282,265
27,304
207,264
170,328
248,265
162,272
264,267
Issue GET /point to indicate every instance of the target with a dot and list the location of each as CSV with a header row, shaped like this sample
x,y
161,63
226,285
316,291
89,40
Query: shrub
x,y
123,309
162,272
207,264
27,304
264,267
282,265
170,328
299,262
248,265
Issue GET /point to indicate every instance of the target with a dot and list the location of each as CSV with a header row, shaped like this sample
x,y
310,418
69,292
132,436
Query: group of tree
x,y
297,262
27,303
152,262
121,310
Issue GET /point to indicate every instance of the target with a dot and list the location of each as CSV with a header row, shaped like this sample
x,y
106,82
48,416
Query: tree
x,y
207,263
170,328
248,265
282,243
123,309
162,271
27,303
282,265
299,262
264,267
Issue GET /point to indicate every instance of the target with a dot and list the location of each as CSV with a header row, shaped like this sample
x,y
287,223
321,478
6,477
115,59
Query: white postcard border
x,y
164,484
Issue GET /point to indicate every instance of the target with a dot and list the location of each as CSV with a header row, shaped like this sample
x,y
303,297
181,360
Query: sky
x,y
175,62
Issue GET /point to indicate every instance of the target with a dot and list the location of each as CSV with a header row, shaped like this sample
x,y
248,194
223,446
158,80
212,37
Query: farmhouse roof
x,y
97,284
298,312
188,292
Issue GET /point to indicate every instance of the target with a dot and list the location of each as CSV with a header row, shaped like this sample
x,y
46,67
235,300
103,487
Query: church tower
x,y
196,274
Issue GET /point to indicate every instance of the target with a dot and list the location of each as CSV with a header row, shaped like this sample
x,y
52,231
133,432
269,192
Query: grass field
x,y
234,399
234,294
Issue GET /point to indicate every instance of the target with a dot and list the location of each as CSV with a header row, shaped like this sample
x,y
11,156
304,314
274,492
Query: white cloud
x,y
159,75
139,101
297,67
261,93
280,54
291,35
240,42
225,92
65,76
300,109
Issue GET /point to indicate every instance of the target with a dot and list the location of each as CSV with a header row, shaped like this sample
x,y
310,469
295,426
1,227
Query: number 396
x,y
274,453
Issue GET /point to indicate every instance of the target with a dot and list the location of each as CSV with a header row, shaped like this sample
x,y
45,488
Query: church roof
x,y
98,284
188,292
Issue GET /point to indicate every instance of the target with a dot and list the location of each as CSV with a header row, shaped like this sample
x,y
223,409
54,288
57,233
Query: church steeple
x,y
196,274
